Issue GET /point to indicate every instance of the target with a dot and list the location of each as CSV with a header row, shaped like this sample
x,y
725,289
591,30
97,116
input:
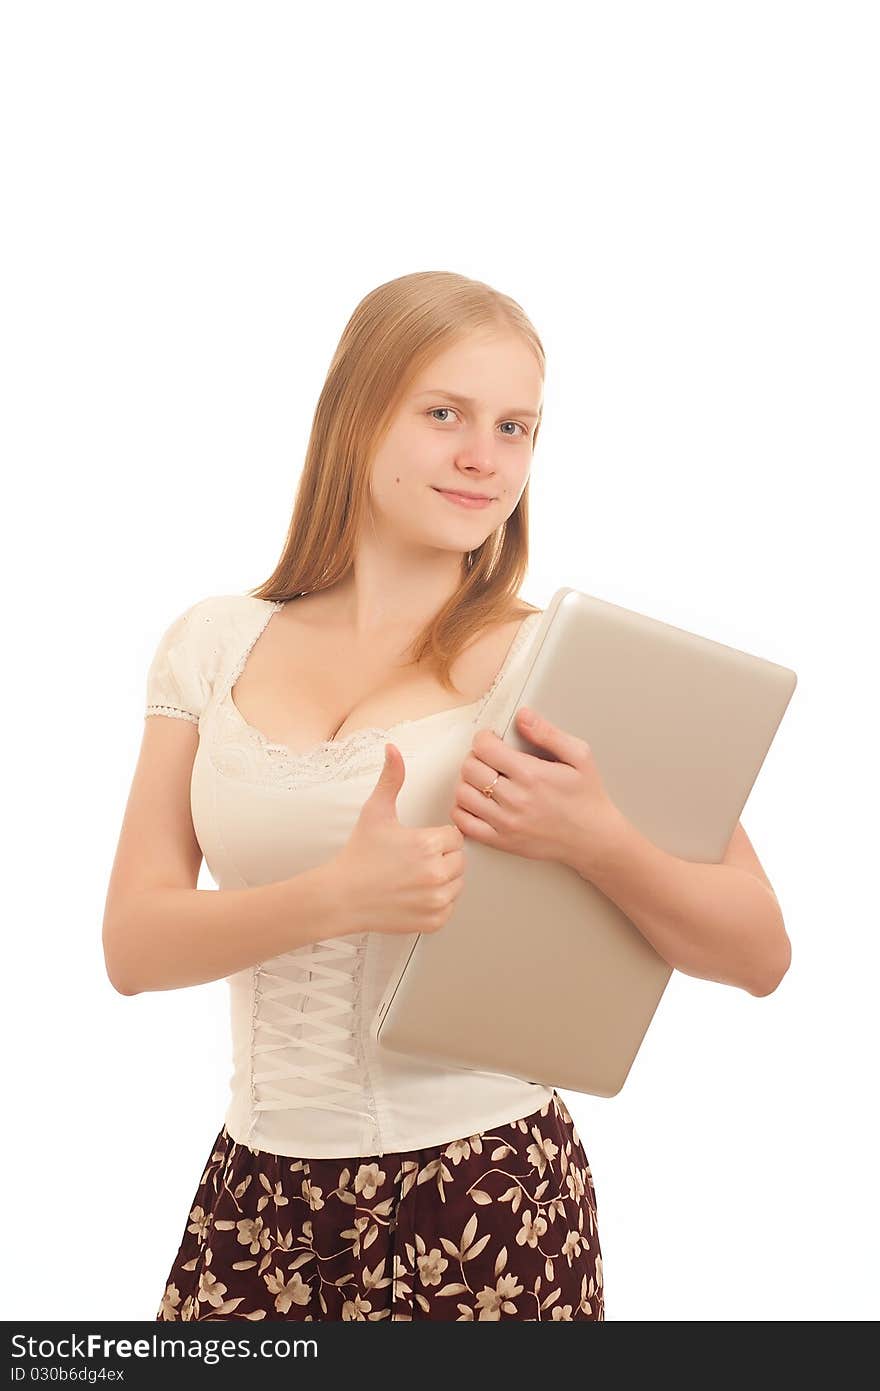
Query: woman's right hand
x,y
393,878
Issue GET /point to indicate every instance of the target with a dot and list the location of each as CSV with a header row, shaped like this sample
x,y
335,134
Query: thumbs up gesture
x,y
395,878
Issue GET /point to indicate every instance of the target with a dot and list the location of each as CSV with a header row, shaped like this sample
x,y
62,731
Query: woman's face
x,y
465,424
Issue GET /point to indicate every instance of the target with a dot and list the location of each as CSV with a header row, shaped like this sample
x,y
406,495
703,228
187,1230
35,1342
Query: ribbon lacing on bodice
x,y
309,1058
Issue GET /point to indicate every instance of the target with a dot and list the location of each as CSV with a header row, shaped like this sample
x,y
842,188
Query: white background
x,y
684,199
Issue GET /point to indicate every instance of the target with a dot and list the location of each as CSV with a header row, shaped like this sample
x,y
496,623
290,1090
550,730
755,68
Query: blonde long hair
x,y
395,331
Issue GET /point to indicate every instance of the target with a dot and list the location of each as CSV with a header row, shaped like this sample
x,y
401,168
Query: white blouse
x,y
308,1078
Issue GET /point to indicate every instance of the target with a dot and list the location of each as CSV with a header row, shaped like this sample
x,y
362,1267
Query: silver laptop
x,y
536,974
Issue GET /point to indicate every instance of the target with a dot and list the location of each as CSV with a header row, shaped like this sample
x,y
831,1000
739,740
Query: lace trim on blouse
x,y
173,711
239,750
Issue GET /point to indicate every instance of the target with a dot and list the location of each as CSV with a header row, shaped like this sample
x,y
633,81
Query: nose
x,y
477,467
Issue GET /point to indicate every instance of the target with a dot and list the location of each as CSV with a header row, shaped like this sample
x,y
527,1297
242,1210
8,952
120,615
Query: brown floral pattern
x,y
497,1225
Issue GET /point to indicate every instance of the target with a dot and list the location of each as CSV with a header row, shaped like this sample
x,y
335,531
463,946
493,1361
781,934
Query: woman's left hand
x,y
540,809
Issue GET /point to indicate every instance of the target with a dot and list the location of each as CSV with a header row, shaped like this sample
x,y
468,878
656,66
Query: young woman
x,y
326,743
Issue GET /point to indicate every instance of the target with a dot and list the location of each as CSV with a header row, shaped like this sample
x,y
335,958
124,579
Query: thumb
x,y
382,801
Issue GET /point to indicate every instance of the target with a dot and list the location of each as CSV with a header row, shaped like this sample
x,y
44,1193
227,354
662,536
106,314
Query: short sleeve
x,y
185,663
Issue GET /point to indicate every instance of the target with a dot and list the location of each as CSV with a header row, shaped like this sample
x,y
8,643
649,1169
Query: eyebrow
x,y
469,401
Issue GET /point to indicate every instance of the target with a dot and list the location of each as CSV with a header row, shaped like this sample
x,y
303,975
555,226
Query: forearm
x,y
169,938
714,921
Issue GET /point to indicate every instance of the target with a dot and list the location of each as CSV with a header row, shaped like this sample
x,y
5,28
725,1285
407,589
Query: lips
x,y
457,492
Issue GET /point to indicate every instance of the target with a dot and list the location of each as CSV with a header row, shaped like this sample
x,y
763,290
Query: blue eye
x,y
435,409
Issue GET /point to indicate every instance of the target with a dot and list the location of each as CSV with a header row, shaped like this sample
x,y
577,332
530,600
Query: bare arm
x,y
721,922
160,931
164,939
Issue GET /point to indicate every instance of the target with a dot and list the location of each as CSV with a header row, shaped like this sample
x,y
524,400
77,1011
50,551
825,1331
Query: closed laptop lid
x,y
537,973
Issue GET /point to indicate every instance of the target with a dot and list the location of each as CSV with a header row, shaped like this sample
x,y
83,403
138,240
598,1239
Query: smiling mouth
x,y
468,497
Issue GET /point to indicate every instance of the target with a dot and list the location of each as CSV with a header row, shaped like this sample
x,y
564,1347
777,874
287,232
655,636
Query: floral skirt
x,y
497,1225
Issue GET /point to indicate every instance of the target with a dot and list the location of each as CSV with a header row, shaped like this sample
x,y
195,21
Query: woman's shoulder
x,y
225,605
515,630
197,647
205,630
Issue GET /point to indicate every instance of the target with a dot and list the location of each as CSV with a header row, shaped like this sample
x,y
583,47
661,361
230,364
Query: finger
x,y
490,749
453,864
478,804
476,828
448,838
477,773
